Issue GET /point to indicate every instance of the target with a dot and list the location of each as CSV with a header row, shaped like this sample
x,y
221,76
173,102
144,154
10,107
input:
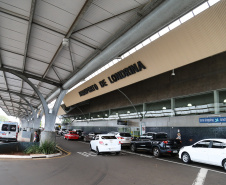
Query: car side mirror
x,y
194,146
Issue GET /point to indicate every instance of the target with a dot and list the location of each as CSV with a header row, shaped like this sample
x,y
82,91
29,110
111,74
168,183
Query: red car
x,y
71,135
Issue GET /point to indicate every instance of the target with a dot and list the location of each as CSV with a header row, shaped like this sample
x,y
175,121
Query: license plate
x,y
127,138
175,151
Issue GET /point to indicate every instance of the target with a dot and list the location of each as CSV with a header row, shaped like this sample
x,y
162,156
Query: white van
x,y
8,131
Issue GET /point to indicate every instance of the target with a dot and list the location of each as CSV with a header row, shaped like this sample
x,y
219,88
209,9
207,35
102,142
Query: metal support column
x,y
172,106
216,102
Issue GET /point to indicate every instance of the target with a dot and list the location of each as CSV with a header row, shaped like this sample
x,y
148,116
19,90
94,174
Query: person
x,y
36,137
178,136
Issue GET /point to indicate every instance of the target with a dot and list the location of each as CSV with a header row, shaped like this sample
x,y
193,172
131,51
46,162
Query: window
x,y
161,136
217,144
12,128
108,137
97,138
125,134
4,127
202,144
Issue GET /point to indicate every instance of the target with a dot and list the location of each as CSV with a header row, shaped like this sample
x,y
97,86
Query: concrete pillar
x,y
216,102
144,109
47,136
172,106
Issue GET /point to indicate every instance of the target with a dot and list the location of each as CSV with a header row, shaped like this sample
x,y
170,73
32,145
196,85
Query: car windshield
x,y
108,137
125,134
72,132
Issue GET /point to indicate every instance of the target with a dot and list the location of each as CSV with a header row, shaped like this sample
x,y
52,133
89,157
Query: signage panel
x,y
213,120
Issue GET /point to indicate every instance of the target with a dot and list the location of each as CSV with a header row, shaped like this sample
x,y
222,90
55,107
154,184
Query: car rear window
x,y
12,128
5,127
161,136
125,134
108,137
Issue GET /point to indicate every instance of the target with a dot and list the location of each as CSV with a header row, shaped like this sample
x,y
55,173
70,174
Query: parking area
x,y
85,167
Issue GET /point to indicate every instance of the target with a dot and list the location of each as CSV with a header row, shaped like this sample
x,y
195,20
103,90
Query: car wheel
x,y
90,148
133,148
98,153
156,152
224,164
186,157
117,153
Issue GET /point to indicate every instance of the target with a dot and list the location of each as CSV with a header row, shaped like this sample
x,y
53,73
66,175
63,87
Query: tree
x,y
3,118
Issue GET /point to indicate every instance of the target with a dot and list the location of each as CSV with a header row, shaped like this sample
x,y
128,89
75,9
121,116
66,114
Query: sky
x,y
11,118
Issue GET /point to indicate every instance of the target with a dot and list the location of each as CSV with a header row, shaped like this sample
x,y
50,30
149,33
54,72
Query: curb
x,y
30,156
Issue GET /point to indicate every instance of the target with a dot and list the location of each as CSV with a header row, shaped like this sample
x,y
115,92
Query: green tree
x,y
66,120
3,118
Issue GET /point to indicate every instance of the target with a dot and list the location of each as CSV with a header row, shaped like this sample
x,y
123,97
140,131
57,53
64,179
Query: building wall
x,y
206,75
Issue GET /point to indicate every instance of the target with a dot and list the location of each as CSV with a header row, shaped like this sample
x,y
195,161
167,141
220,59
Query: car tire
x,y
90,148
98,153
133,148
117,153
224,164
156,152
186,157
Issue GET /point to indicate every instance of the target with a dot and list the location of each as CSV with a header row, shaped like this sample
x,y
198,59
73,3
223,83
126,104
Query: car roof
x,y
216,139
105,135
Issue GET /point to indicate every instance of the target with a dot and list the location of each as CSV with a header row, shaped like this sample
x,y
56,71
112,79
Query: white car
x,y
124,137
208,151
105,143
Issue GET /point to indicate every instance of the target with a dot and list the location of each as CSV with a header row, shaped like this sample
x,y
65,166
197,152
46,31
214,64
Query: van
x,y
8,131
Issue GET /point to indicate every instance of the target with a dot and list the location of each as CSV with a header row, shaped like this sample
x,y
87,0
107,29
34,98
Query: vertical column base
x,y
47,136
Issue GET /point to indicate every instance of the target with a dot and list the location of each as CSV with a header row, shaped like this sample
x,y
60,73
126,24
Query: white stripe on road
x,y
148,156
200,179
166,160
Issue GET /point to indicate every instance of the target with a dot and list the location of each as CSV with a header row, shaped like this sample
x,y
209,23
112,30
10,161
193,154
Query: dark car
x,y
90,136
157,143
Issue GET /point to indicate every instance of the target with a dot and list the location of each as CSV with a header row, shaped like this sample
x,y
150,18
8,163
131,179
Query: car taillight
x,y
120,137
119,142
166,142
101,142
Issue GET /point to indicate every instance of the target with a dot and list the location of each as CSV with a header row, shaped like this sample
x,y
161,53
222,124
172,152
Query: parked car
x,y
208,151
8,131
80,133
124,137
158,144
105,143
60,132
90,136
148,135
71,135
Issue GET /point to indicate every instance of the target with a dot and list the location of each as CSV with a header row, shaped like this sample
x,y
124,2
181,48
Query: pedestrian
x,y
178,136
36,137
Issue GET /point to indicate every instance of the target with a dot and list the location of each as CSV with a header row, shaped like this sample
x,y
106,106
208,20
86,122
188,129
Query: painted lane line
x,y
189,165
137,154
200,179
90,154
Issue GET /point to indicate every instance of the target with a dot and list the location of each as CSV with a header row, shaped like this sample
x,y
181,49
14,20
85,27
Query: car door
x,y
94,142
199,151
216,153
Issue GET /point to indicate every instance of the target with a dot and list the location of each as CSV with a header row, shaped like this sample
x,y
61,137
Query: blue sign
x,y
213,120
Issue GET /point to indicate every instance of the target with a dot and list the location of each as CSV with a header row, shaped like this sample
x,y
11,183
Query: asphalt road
x,y
83,167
